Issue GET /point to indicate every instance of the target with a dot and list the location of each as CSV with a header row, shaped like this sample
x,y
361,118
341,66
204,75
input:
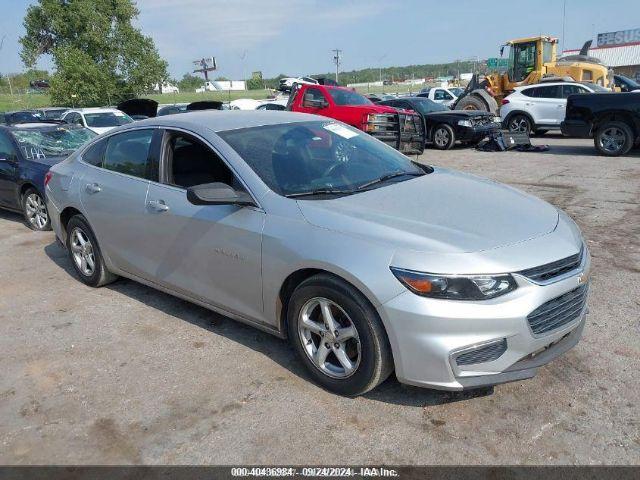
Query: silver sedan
x,y
313,230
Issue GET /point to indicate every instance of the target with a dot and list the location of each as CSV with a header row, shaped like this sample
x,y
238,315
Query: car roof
x,y
546,84
222,120
94,110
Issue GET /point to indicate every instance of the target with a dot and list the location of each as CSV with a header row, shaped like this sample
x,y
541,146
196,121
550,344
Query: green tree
x,y
190,82
100,57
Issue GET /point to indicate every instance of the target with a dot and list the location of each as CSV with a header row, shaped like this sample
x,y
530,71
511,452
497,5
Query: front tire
x,y
35,211
338,336
520,124
613,139
443,137
85,254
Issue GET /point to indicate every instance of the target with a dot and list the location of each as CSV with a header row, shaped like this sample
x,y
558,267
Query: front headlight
x,y
454,287
497,119
464,123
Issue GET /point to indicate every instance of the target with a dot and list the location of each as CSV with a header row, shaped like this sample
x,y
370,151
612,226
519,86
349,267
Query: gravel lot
x,y
126,374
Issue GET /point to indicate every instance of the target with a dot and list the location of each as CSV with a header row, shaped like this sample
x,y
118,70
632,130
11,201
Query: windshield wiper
x,y
389,176
320,191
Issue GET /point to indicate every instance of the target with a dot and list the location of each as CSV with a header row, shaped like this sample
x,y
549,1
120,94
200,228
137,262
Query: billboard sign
x,y
497,63
622,37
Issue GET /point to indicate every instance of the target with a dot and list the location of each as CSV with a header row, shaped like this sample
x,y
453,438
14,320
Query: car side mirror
x,y
218,194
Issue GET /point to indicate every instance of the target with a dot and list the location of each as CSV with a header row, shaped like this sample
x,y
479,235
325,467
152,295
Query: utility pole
x,y
564,15
336,60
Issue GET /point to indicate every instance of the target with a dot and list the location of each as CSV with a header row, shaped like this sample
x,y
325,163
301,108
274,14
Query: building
x,y
619,51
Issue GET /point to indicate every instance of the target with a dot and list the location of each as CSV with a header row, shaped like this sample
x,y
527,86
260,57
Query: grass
x,y
26,101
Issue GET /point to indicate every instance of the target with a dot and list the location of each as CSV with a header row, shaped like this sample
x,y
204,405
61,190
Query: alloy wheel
x,y
612,139
329,338
36,211
519,124
441,137
82,252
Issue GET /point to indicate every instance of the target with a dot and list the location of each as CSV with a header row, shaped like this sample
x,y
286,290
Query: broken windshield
x,y
51,142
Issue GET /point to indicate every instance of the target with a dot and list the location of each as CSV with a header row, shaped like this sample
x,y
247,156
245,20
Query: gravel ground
x,y
126,374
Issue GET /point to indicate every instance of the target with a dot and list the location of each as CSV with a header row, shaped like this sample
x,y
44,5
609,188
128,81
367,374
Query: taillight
x,y
504,101
47,177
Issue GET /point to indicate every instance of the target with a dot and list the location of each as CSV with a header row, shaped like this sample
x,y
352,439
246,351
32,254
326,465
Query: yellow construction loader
x,y
532,60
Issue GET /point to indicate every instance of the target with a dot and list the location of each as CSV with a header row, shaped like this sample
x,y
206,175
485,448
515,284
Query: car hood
x,y
459,114
374,108
100,130
445,212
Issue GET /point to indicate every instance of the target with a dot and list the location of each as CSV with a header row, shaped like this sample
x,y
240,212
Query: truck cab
x,y
403,130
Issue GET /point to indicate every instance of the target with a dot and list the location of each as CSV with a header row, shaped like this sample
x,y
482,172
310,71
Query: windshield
x,y
107,119
52,142
424,105
53,114
595,87
304,157
347,97
629,81
457,91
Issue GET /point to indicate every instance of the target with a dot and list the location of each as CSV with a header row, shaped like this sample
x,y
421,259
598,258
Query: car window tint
x,y
7,150
93,155
313,94
529,92
571,89
190,162
128,152
549,91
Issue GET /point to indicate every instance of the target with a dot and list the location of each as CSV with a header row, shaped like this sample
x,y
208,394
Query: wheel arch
x,y
618,116
65,215
511,114
295,278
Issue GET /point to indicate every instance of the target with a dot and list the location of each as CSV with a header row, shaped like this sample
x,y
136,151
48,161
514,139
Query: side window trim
x,y
106,139
163,176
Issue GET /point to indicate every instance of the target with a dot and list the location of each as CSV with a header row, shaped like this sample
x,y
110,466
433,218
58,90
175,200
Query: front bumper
x,y
477,132
427,335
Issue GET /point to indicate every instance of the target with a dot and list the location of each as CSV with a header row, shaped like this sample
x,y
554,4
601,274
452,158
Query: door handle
x,y
93,188
158,205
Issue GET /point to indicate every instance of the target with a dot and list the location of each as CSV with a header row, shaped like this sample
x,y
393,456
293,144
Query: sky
x,y
295,37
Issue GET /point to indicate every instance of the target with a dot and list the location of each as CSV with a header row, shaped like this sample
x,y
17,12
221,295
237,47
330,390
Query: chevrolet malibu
x,y
312,230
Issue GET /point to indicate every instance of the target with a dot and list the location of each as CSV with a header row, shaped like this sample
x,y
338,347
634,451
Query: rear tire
x,y
443,137
613,139
85,254
519,123
472,102
35,211
357,359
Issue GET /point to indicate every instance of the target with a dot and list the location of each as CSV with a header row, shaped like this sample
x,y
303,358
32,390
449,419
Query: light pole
x,y
336,60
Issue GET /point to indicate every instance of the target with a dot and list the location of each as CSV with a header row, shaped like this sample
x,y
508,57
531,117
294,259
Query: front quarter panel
x,y
291,244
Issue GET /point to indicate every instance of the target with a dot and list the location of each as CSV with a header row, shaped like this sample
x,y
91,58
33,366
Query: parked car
x,y
50,113
244,104
378,97
625,84
139,108
457,91
540,108
400,130
20,116
439,95
272,105
443,127
189,107
309,229
27,151
285,84
612,119
99,120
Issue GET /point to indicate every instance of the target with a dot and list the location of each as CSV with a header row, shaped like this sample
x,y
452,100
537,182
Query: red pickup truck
x,y
403,130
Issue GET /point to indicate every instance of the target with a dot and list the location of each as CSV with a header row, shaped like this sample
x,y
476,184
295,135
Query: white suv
x,y
541,107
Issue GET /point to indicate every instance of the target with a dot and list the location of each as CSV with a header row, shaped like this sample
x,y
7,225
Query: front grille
x,y
554,269
481,120
402,131
559,311
484,354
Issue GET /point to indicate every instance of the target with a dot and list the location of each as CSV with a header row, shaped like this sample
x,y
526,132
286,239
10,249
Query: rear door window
x,y
549,91
128,153
93,155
